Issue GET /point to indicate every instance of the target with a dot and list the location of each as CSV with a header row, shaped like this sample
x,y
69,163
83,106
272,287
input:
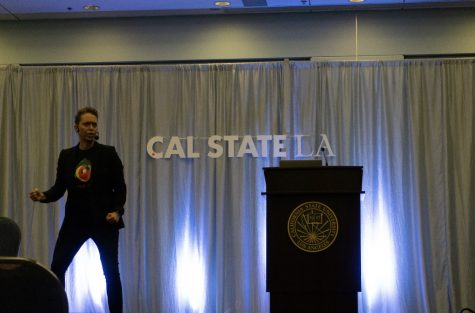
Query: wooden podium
x,y
313,238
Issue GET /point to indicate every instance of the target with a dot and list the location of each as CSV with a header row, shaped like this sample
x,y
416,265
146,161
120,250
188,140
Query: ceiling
x,y
18,10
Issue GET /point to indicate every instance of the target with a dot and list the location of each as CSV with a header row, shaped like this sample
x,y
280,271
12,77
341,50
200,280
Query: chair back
x,y
27,286
10,237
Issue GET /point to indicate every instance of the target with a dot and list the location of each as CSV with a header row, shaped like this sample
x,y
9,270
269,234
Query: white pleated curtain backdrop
x,y
195,226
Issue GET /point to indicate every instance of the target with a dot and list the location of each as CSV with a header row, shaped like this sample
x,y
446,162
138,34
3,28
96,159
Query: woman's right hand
x,y
37,195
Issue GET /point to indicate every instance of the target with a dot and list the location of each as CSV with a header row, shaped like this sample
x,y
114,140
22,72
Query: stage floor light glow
x,y
379,259
85,281
190,276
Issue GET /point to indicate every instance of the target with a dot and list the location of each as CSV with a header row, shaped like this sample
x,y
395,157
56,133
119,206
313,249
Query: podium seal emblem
x,y
312,226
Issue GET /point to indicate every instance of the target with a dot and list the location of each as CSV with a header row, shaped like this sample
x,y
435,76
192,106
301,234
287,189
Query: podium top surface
x,y
339,179
300,163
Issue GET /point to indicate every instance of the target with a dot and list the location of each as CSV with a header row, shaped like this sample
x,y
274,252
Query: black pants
x,y
72,237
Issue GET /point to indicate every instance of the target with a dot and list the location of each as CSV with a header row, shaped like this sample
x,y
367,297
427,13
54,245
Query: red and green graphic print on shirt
x,y
83,170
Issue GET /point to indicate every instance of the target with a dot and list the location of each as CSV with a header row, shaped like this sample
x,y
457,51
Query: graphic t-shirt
x,y
83,170
83,185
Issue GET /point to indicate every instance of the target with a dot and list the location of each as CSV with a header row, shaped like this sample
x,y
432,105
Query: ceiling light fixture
x,y
91,7
357,1
222,3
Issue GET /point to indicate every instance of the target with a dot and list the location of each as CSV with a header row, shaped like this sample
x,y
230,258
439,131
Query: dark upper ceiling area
x,y
18,10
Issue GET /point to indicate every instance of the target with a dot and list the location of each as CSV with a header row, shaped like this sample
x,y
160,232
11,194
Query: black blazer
x,y
106,189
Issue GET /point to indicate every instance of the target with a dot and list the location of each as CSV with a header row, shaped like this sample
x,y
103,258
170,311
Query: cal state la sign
x,y
234,146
